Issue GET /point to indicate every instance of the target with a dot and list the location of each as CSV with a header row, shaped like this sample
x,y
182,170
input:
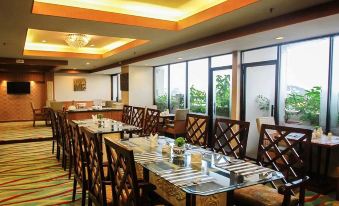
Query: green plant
x,y
197,100
222,99
161,102
263,102
177,102
306,106
180,141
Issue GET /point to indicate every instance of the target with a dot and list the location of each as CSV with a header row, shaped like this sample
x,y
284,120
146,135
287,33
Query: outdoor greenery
x,y
305,106
198,98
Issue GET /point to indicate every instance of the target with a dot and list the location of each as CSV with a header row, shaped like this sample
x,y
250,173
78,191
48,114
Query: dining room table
x,y
197,177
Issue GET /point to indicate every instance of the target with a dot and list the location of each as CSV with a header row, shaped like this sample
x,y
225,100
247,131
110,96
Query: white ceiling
x,y
309,29
16,18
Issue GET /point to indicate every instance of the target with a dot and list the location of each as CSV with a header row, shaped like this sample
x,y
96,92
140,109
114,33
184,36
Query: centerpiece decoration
x,y
100,118
178,148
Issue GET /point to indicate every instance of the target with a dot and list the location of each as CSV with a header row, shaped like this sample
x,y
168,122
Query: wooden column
x,y
235,109
125,94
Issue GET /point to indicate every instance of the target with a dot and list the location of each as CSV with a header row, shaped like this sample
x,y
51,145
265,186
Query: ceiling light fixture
x,y
92,45
279,38
77,40
180,58
88,63
43,41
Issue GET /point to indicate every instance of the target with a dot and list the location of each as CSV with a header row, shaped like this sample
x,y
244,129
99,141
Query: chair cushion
x,y
260,195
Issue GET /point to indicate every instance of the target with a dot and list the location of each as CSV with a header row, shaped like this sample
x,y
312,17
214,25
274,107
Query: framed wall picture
x,y
79,84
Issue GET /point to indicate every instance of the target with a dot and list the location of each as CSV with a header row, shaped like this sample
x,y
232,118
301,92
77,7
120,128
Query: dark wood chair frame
x,y
127,114
79,162
138,117
151,125
39,114
54,126
122,172
66,142
96,178
293,167
230,137
194,131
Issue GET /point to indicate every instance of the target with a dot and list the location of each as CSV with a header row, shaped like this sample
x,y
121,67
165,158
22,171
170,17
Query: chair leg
x,y
89,201
74,189
53,146
33,122
65,161
70,167
58,152
83,196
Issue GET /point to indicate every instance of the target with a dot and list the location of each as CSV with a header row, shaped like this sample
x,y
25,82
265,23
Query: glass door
x,y
221,90
259,94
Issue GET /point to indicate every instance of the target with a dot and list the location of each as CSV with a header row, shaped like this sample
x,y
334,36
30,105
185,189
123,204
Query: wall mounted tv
x,y
18,87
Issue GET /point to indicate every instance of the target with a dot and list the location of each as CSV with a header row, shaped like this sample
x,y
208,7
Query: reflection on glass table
x,y
213,173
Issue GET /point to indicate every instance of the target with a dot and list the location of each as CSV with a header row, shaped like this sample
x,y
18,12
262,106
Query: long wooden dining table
x,y
183,180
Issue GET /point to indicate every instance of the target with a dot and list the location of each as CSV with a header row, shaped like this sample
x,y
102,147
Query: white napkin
x,y
153,140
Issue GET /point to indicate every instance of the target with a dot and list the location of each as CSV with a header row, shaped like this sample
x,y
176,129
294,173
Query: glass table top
x,y
106,126
198,171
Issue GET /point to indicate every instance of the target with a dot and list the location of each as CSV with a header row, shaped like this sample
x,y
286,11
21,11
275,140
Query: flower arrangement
x,y
263,102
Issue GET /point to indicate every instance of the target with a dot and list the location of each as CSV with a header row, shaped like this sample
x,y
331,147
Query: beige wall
x,y
97,87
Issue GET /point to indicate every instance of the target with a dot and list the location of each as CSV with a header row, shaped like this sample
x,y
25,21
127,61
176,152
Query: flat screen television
x,y
18,87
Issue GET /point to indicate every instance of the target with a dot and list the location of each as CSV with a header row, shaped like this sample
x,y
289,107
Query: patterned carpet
x,y
31,175
314,199
18,131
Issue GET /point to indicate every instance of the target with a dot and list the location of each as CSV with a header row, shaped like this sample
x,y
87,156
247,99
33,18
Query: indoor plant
x,y
179,148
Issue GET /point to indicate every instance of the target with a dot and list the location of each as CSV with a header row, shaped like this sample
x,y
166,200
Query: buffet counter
x,y
79,114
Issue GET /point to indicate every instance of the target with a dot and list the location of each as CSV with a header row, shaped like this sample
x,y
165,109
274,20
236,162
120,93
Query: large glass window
x,y
304,83
221,61
198,85
335,89
161,87
177,86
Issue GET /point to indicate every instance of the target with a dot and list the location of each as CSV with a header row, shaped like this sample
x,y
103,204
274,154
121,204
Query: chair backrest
x,y
54,124
123,174
151,125
181,114
292,158
230,137
127,114
64,130
138,116
79,154
197,129
96,178
32,106
264,120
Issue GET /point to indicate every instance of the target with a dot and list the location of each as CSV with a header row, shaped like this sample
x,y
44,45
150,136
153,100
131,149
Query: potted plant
x,y
179,148
100,120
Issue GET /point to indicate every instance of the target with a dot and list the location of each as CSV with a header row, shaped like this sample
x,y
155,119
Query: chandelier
x,y
77,40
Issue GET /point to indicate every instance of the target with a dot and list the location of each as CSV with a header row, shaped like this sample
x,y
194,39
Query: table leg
x,y
319,162
327,161
230,197
190,200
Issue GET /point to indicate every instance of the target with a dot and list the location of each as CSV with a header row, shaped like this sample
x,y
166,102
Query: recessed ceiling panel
x,y
52,43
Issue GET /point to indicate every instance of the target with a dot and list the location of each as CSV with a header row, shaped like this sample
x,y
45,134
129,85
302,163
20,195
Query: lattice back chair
x,y
99,190
230,137
197,129
127,114
67,151
79,161
138,117
123,175
151,125
291,161
53,119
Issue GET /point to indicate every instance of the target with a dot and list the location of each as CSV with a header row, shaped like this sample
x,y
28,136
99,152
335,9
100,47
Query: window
x,y
116,92
177,86
161,87
304,82
198,85
260,55
335,89
221,61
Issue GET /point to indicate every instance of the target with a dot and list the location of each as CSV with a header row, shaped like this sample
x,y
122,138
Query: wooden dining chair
x,y
291,161
127,114
127,189
151,125
177,126
38,114
79,162
99,189
197,129
138,116
66,142
230,137
54,127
